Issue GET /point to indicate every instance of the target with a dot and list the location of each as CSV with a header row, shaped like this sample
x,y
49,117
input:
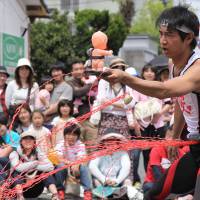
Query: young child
x,y
28,161
70,150
111,173
113,169
42,134
65,111
23,121
43,96
9,139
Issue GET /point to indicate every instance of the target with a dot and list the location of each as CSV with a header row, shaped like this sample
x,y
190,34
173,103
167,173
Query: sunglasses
x,y
118,67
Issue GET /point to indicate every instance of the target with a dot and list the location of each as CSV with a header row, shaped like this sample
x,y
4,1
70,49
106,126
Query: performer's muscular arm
x,y
178,126
175,87
179,122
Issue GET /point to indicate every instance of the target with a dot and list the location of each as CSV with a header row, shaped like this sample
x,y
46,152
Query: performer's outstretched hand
x,y
115,75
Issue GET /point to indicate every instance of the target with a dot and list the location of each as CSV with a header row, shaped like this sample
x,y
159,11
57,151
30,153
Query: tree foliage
x,y
127,10
144,23
89,21
53,40
117,32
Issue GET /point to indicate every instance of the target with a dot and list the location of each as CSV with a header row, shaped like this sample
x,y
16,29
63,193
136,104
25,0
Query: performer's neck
x,y
181,60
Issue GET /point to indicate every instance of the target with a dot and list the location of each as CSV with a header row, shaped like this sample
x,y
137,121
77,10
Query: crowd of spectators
x,y
40,128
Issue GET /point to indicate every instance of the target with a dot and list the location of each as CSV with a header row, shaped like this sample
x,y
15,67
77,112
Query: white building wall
x,y
54,4
110,5
14,19
138,50
139,4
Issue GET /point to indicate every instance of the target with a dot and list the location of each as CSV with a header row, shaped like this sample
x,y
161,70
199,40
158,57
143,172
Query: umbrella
x,y
159,61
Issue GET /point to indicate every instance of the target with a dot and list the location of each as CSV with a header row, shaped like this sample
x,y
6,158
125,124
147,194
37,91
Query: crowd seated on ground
x,y
40,141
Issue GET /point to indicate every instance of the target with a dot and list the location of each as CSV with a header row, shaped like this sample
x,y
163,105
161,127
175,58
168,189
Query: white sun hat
x,y
132,71
113,135
27,133
24,62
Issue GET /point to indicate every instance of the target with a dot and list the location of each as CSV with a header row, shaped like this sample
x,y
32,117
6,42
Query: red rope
x,y
101,150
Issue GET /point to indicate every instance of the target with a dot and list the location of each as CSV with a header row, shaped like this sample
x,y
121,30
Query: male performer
x,y
179,29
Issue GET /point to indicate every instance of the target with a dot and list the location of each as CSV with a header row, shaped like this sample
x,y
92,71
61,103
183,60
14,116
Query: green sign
x,y
12,49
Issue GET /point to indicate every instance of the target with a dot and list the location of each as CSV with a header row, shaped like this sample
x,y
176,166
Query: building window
x,y
69,5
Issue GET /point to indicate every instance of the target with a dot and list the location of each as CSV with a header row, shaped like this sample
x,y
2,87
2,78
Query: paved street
x,y
45,197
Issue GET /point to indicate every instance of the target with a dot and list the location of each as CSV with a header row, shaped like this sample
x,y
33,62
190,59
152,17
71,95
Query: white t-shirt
x,y
15,95
59,125
42,137
106,92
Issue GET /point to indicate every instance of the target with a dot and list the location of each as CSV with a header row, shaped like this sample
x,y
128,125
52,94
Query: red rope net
x,y
98,150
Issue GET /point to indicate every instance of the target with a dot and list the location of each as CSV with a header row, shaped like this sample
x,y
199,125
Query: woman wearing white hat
x,y
21,89
111,170
114,116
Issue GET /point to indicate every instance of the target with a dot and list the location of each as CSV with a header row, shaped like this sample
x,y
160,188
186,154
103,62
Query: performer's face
x,y
171,43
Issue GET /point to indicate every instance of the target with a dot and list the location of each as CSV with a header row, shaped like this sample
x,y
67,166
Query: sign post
x,y
12,48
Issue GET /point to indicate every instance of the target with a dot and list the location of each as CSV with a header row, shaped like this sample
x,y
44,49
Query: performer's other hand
x,y
172,153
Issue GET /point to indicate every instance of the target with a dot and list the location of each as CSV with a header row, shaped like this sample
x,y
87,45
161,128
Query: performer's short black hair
x,y
180,16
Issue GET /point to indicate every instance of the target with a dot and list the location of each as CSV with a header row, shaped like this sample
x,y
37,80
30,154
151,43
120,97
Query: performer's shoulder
x,y
196,63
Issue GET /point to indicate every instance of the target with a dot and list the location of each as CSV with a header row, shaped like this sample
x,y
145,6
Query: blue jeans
x,y
147,186
4,167
135,154
85,178
36,189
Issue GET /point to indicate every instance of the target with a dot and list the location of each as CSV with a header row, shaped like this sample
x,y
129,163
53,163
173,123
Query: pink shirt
x,y
71,153
42,93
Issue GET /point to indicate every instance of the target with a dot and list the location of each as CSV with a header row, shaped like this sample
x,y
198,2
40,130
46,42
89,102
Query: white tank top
x,y
190,103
